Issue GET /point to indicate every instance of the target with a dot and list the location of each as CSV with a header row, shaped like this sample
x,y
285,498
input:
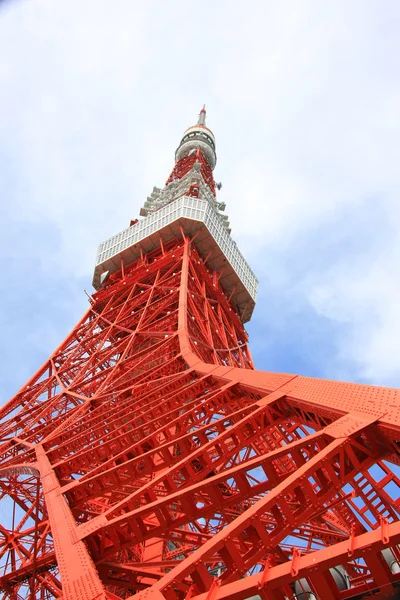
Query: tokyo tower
x,y
148,458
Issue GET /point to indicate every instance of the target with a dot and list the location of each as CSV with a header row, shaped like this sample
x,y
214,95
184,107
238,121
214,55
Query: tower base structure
x,y
148,459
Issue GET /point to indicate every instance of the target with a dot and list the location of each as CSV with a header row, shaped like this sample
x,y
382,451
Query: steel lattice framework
x,y
147,458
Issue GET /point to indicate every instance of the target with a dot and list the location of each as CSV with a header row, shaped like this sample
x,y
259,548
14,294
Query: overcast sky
x,y
303,97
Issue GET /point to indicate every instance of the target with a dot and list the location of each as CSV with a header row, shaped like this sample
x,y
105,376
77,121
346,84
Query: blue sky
x,y
303,98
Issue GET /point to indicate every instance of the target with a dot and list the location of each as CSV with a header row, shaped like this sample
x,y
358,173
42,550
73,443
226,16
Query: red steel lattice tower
x,y
148,459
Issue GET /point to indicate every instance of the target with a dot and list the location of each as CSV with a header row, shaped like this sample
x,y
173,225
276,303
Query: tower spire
x,y
202,116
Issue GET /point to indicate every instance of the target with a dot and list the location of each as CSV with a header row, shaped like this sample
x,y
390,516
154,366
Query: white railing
x,y
190,208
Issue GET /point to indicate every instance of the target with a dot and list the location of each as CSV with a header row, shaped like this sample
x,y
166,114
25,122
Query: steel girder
x,y
148,458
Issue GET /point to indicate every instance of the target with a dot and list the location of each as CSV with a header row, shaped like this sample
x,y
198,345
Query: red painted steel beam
x,y
310,565
149,425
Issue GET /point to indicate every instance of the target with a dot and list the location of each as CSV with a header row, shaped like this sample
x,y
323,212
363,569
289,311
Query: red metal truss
x,y
147,458
185,164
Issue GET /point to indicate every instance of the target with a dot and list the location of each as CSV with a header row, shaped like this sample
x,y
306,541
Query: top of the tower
x,y
200,137
202,116
192,174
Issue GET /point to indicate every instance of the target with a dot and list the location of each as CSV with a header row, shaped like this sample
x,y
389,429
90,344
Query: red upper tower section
x,y
187,202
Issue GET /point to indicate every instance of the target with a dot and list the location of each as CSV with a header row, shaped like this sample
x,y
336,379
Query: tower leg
x,y
79,576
